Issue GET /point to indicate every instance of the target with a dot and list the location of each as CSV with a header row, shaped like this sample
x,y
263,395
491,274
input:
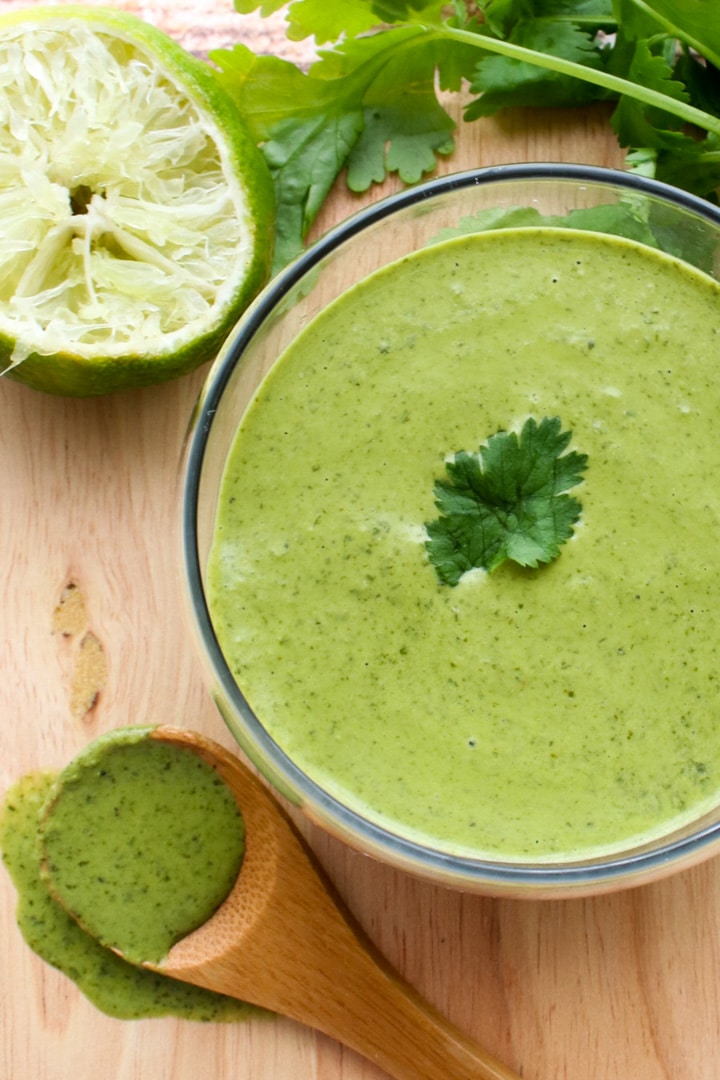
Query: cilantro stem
x,y
699,46
615,83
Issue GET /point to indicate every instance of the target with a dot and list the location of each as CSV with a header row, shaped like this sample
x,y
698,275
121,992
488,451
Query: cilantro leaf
x,y
701,79
658,144
501,15
692,21
369,104
405,125
638,124
694,166
266,8
306,128
304,159
330,22
509,501
503,81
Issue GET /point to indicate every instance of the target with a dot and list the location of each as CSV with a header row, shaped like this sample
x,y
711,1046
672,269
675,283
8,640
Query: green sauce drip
x,y
114,986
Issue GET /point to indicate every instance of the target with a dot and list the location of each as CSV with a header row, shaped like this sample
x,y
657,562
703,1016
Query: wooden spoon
x,y
283,940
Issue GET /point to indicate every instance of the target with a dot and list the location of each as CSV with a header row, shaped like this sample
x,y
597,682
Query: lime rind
x,y
136,210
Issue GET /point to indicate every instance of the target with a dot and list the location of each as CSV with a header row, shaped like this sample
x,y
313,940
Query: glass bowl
x,y
517,196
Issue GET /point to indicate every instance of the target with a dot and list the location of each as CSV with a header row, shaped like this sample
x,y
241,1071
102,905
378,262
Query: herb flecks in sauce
x,y
142,840
549,713
509,501
116,987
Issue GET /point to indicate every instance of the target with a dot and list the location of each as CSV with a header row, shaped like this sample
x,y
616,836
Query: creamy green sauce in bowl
x,y
529,715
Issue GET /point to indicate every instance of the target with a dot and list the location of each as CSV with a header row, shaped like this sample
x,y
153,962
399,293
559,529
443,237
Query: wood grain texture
x,y
623,986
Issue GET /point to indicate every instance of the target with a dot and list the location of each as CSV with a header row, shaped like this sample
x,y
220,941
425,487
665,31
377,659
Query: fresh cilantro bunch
x,y
509,501
369,103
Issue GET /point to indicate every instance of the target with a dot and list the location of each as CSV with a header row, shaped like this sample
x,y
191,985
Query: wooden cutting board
x,y
94,637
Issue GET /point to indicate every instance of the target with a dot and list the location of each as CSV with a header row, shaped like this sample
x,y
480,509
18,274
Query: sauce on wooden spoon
x,y
281,939
141,841
117,988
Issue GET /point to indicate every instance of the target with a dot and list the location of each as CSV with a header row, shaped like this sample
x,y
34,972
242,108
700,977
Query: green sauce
x,y
142,841
113,985
528,714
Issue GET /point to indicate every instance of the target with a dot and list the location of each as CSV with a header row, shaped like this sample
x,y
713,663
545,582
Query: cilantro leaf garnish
x,y
508,501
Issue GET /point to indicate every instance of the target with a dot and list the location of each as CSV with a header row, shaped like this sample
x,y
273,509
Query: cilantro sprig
x,y
369,104
508,501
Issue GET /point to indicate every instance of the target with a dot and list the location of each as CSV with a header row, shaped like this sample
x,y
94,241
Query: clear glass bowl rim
x,y
544,878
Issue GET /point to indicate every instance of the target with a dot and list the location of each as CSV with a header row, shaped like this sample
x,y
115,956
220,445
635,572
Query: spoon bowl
x,y
283,940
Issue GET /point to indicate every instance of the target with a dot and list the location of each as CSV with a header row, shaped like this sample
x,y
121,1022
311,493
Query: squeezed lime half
x,y
136,211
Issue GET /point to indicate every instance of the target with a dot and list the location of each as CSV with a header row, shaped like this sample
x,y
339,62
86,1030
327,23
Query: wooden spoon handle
x,y
338,983
384,1019
284,940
